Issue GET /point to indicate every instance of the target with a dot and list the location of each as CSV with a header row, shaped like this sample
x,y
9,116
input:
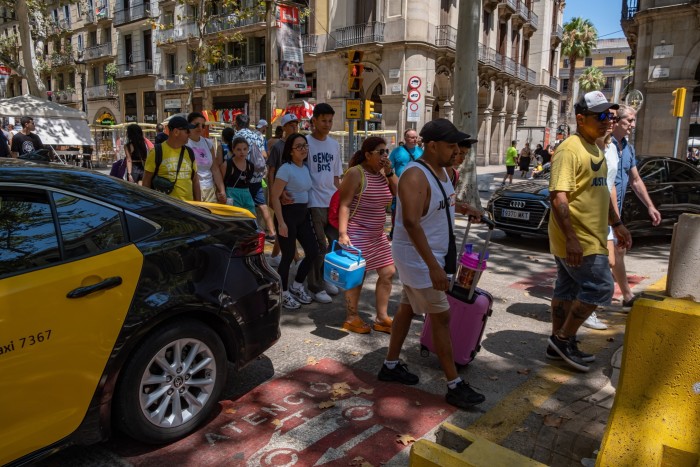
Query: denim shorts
x,y
258,193
590,283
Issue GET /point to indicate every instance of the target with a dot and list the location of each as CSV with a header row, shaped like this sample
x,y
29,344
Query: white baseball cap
x,y
288,119
261,123
594,101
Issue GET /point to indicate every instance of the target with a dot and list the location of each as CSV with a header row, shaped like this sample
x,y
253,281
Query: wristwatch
x,y
616,224
390,174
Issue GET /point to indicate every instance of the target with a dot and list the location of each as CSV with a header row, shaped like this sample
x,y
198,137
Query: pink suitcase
x,y
469,311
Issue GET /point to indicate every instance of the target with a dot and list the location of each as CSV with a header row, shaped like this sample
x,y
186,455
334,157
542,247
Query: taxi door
x,y
67,277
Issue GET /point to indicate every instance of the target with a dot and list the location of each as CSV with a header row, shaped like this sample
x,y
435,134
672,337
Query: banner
x,y
290,54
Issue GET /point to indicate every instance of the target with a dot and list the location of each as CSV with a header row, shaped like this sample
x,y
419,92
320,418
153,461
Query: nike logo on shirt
x,y
596,167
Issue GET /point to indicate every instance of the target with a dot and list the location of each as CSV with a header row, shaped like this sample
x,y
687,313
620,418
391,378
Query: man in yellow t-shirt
x,y
186,183
578,229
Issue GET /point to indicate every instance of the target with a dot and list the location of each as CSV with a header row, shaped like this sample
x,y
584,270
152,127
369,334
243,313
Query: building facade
x,y
665,39
613,57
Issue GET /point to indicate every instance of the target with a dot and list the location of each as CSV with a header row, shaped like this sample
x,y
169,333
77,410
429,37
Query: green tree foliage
x,y
591,79
580,37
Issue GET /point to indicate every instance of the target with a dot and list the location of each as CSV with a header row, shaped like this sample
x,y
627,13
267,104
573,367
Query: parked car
x,y
121,307
672,184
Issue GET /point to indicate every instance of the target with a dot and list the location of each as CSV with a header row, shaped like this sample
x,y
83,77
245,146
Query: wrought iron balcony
x,y
446,36
309,43
490,57
103,91
511,4
134,13
359,34
239,74
554,83
533,19
62,59
97,13
127,70
98,51
65,97
558,32
170,82
630,8
224,23
181,32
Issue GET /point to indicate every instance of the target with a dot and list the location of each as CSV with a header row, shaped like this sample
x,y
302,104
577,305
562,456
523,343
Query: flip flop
x,y
357,325
383,325
630,302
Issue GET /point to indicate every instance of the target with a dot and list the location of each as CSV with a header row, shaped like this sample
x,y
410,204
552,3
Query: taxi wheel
x,y
171,383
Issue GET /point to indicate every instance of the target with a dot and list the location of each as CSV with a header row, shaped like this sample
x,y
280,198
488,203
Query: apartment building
x,y
664,36
613,57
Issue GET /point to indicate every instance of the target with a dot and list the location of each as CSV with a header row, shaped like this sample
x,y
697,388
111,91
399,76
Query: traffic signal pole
x,y
678,108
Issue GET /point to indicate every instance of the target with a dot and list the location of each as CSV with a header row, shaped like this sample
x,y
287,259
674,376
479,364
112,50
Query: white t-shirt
x,y
612,159
204,160
324,164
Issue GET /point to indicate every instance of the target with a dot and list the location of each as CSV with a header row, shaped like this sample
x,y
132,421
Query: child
x,y
237,173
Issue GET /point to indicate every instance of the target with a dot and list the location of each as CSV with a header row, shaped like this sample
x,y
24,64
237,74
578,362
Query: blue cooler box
x,y
343,268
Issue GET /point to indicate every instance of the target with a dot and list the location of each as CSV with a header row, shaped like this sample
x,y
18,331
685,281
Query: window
x,y
27,232
679,173
653,171
170,65
150,112
608,61
565,85
80,42
66,13
130,107
609,83
588,61
562,107
566,63
87,228
92,39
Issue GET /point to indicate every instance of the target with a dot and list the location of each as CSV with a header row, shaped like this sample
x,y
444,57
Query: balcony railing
x,y
239,74
170,82
134,13
97,13
101,92
98,51
554,83
512,4
533,19
558,32
227,22
62,59
58,26
64,97
309,43
490,57
359,34
446,36
126,70
629,9
178,33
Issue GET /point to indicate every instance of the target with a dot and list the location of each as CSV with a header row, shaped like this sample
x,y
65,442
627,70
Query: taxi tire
x,y
128,414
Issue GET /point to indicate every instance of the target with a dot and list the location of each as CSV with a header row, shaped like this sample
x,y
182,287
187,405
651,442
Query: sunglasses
x,y
603,116
381,152
301,147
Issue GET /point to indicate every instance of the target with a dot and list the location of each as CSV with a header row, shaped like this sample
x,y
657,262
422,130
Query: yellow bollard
x,y
655,419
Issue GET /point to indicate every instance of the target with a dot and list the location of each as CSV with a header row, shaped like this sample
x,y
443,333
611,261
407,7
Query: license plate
x,y
513,214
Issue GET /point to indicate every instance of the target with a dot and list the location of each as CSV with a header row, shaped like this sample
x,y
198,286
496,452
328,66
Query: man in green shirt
x,y
511,157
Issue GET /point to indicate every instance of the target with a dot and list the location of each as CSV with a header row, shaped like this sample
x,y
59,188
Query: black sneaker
x,y
586,357
567,350
463,396
400,374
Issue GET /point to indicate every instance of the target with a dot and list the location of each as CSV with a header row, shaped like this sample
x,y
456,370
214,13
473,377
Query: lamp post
x,y
81,68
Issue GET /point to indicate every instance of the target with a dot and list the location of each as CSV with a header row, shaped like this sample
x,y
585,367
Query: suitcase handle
x,y
482,256
348,247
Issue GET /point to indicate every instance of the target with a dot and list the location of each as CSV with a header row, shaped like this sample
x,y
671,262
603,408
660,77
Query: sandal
x,y
357,325
383,325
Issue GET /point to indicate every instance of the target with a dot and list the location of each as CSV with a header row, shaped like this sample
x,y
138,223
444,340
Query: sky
x,y
604,14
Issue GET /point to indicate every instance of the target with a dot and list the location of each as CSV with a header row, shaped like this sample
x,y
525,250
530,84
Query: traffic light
x,y
369,109
355,70
678,102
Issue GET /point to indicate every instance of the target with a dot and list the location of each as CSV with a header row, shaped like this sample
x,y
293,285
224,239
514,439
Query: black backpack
x,y
159,158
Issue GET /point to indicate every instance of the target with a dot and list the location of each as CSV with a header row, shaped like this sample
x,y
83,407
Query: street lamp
x,y
81,68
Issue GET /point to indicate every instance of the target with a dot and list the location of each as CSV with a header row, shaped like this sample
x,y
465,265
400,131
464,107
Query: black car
x,y
673,186
120,307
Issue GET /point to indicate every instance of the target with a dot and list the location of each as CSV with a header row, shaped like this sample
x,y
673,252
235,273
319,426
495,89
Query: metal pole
x,y
678,136
268,68
351,137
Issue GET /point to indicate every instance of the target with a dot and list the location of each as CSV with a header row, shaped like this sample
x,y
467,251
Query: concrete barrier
x,y
655,419
684,260
457,447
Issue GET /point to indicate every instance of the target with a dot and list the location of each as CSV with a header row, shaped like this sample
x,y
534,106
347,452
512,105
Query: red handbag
x,y
334,206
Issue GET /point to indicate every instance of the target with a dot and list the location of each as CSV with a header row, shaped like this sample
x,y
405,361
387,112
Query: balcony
x,y
129,70
57,26
533,19
509,5
557,34
554,83
98,51
239,74
170,82
101,92
630,8
309,43
181,32
359,34
62,59
225,23
489,57
446,36
135,13
65,97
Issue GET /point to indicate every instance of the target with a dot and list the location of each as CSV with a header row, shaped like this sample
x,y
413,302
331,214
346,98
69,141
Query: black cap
x,y
179,123
467,143
442,129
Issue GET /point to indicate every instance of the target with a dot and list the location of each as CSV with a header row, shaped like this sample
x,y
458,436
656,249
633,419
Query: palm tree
x,y
591,79
580,37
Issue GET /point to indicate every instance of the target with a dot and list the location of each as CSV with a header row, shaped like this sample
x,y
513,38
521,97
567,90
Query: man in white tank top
x,y
420,243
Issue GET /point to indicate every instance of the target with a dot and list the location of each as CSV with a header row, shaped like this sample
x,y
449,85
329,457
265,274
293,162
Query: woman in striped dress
x,y
367,189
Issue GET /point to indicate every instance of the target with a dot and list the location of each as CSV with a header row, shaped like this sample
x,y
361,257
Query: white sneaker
x,y
289,302
331,289
300,294
274,261
322,297
594,323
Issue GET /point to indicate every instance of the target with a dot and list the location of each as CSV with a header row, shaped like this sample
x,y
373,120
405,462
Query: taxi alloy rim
x,y
177,383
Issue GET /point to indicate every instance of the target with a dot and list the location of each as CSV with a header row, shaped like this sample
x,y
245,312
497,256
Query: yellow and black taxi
x,y
120,308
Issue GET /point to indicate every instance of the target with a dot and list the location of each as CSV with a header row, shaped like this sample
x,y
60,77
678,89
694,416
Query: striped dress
x,y
366,227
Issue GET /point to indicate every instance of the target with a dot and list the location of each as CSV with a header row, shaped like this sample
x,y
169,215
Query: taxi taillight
x,y
250,245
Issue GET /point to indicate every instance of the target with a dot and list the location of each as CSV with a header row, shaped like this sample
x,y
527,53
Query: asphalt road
x,y
511,370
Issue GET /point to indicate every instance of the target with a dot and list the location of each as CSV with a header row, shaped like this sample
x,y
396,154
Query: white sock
x,y
296,285
453,384
391,364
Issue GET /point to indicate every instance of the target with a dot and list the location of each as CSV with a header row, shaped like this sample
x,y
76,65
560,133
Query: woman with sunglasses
x,y
292,220
366,190
210,181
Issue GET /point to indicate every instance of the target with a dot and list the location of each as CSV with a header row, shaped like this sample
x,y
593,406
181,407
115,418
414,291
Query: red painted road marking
x,y
542,283
280,423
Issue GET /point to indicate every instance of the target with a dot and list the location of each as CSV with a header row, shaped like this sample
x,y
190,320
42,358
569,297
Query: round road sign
x,y
413,107
414,95
414,82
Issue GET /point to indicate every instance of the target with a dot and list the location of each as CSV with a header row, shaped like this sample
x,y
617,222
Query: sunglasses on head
x,y
381,152
603,116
